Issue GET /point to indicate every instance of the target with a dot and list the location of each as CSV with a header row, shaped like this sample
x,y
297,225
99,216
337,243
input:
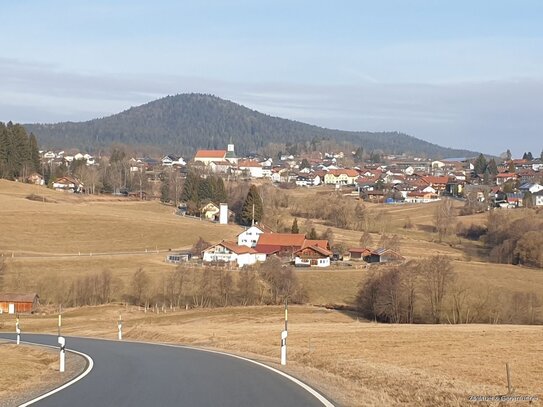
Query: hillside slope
x,y
183,123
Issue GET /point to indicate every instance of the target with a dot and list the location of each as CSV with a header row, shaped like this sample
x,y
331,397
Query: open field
x,y
27,371
37,234
73,224
354,362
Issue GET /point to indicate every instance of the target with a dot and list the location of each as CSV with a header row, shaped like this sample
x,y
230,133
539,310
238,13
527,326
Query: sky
x,y
462,74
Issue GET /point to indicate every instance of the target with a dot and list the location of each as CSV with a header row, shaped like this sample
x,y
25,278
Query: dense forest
x,y
184,123
19,155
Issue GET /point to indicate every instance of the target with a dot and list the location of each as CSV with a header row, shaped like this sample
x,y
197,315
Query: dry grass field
x,y
27,371
356,363
70,224
45,239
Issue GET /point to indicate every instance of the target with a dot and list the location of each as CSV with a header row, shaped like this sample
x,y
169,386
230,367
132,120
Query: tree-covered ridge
x,y
19,155
187,122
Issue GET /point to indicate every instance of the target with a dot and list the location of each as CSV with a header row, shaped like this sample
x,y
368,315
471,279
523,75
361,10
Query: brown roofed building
x,y
359,253
283,244
13,303
208,156
312,256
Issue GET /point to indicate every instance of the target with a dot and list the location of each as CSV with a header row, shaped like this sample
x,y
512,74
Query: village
x,y
386,179
391,179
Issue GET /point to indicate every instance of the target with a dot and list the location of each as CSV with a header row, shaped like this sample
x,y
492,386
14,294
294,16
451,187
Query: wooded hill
x,y
184,123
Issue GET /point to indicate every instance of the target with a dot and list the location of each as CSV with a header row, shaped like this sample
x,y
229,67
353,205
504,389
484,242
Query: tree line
x,y
19,155
208,286
429,291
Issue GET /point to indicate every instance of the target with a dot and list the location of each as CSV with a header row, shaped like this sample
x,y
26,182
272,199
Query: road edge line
x,y
303,385
306,387
90,365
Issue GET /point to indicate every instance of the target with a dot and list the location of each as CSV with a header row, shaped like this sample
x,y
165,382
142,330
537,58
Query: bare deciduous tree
x,y
437,275
443,220
140,286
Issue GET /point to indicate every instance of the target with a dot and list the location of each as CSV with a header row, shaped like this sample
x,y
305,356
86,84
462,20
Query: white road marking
x,y
90,364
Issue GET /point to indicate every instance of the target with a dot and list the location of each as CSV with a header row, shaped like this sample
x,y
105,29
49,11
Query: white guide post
x,y
284,335
120,327
62,343
18,331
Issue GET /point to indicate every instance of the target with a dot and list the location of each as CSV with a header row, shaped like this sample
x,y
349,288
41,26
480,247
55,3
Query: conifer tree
x,y
252,208
480,164
294,229
313,234
492,167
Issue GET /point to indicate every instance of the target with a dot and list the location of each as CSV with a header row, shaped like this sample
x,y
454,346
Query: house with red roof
x,y
282,244
505,176
341,177
312,256
208,156
252,168
231,253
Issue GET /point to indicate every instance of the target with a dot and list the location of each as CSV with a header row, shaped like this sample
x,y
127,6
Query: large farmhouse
x,y
230,252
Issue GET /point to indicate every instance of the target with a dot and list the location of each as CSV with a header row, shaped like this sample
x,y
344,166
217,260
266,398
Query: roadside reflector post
x,y
18,330
120,327
62,343
284,335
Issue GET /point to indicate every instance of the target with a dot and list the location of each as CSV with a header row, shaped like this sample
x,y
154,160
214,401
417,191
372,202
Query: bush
x,y
471,232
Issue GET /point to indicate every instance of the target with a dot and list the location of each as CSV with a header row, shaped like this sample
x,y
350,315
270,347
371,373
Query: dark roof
x,y
17,297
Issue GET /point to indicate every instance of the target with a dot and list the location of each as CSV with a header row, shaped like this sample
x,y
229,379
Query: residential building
x,y
341,177
312,256
230,252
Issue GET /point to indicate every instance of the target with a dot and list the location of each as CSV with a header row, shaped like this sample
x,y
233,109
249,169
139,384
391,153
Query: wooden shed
x,y
14,303
359,253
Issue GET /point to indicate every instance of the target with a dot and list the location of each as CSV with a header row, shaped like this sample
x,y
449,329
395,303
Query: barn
x,y
19,303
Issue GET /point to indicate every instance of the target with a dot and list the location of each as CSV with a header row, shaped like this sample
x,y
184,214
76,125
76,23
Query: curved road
x,y
139,374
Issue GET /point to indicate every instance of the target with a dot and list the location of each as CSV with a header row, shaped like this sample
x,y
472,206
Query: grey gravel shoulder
x,y
75,365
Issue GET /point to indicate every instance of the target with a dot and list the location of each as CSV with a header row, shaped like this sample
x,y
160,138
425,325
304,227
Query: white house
x,y
230,252
249,237
67,183
538,198
171,160
267,172
312,256
529,187
208,156
253,168
90,159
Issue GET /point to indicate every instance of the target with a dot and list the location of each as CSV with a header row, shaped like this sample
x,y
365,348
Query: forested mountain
x,y
183,123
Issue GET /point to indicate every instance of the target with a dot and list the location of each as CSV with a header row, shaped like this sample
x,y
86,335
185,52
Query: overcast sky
x,y
465,74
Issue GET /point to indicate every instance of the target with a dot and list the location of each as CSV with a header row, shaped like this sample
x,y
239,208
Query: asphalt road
x,y
138,374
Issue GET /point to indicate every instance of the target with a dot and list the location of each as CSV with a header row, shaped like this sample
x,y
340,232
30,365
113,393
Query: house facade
x,y
230,252
341,177
67,183
312,256
249,237
252,168
208,156
13,303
